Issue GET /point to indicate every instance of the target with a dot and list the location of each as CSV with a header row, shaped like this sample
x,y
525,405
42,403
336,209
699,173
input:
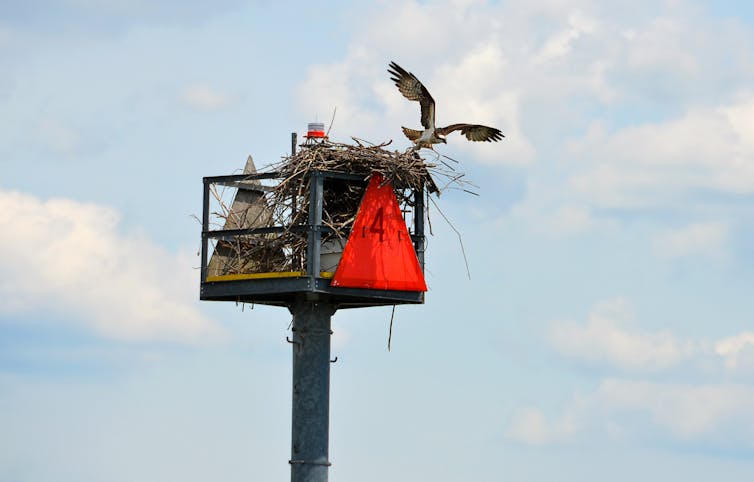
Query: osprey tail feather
x,y
412,134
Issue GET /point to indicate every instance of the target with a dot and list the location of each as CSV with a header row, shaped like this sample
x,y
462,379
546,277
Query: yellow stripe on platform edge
x,y
270,275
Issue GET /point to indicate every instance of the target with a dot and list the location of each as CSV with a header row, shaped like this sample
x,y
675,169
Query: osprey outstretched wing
x,y
413,89
473,132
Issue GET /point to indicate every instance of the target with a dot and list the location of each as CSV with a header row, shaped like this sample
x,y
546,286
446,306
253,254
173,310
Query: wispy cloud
x,y
530,426
611,339
561,43
698,239
606,338
737,351
665,163
711,407
716,415
59,137
71,259
205,98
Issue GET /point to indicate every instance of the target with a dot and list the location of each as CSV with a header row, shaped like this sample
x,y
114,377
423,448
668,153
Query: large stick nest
x,y
287,203
405,170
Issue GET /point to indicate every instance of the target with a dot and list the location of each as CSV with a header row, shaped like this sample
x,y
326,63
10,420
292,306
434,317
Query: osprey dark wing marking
x,y
412,89
473,132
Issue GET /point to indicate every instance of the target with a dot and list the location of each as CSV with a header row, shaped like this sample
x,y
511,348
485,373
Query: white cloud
x,y
340,87
472,92
737,352
529,426
571,219
713,407
663,163
58,136
711,414
561,43
706,239
670,166
659,44
206,98
605,339
546,215
70,258
609,339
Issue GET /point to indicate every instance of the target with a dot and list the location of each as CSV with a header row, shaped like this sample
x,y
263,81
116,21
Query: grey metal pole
x,y
311,390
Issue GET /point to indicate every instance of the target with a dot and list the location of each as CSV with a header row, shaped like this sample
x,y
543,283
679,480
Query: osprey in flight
x,y
412,89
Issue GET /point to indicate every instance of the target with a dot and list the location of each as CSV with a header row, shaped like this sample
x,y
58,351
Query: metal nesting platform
x,y
283,288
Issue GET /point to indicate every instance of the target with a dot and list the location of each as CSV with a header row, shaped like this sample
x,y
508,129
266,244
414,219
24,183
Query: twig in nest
x,y
331,121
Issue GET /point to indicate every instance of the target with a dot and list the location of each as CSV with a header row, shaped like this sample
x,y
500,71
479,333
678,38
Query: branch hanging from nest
x,y
460,239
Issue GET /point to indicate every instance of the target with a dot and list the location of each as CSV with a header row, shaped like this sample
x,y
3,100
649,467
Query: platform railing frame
x,y
314,230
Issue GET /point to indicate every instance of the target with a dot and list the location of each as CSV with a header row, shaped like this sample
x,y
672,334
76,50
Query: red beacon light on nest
x,y
316,130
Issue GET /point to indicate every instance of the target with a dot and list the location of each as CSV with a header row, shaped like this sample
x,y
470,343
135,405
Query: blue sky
x,y
605,333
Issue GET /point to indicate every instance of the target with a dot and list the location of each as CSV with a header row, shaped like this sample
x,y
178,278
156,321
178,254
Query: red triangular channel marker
x,y
379,253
